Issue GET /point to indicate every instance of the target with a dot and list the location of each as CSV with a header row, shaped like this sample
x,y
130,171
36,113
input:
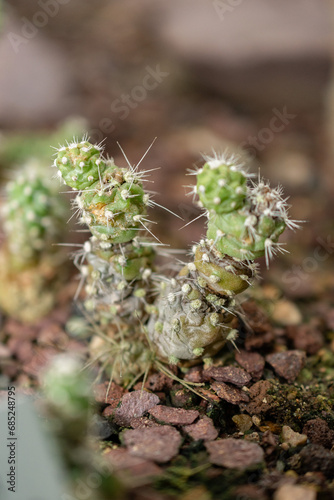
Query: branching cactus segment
x,y
245,219
116,264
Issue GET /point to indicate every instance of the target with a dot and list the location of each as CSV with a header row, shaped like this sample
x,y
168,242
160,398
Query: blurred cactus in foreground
x,y
69,407
31,266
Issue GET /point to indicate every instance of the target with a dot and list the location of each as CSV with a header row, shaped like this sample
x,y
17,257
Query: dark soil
x,y
263,428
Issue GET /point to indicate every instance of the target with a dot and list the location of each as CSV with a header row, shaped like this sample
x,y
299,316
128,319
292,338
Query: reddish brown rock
x,y
134,404
234,453
128,466
229,374
174,416
159,444
316,458
231,394
252,362
112,398
256,319
109,411
194,375
318,432
203,429
182,398
158,382
20,331
287,364
260,400
306,337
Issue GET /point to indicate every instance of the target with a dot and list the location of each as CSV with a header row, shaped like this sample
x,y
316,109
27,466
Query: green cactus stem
x,y
117,263
245,220
33,222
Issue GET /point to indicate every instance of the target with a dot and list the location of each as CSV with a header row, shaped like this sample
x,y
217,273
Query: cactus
x,y
33,221
245,219
116,264
194,313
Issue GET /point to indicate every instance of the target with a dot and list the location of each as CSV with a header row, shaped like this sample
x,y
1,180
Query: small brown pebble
x,y
115,392
20,331
159,444
158,382
194,375
109,411
234,453
197,493
314,457
258,340
173,416
260,400
269,442
286,313
287,364
252,362
182,398
249,492
292,438
254,437
243,422
143,423
318,432
203,429
257,320
128,466
4,352
228,374
231,394
306,337
295,492
272,427
134,404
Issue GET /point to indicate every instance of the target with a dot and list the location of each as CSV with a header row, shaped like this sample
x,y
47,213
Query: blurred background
x,y
199,75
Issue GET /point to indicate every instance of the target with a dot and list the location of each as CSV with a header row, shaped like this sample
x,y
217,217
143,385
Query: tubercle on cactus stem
x,y
244,221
